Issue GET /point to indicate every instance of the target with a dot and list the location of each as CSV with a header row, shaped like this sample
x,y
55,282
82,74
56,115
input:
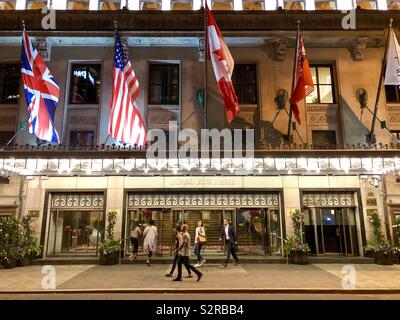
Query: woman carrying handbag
x,y
199,240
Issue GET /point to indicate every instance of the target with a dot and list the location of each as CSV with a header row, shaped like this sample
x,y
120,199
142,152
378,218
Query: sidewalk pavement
x,y
247,278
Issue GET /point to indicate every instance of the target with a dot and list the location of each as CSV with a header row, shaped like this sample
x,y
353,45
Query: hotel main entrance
x,y
256,218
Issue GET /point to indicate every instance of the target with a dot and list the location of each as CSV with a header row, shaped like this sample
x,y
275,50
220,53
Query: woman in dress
x,y
150,235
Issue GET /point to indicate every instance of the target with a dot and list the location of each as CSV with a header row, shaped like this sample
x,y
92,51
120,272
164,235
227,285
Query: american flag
x,y
41,92
126,122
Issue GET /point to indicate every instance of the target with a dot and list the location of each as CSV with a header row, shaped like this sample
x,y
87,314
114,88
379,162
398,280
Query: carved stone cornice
x,y
70,22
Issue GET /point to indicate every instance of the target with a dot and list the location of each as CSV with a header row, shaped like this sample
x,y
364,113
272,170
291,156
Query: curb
x,y
212,290
209,261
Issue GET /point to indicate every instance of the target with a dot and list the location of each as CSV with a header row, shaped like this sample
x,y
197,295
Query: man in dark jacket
x,y
230,239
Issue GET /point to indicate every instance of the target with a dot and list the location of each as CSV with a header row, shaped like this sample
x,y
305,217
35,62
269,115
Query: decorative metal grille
x,y
203,200
86,200
328,199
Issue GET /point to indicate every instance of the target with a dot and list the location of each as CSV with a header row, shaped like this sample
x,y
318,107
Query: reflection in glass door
x,y
75,232
251,231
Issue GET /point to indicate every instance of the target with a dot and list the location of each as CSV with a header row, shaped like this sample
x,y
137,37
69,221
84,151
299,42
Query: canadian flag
x,y
223,64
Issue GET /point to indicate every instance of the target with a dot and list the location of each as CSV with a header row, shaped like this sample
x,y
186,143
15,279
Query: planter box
x,y
299,257
9,265
383,259
109,259
396,258
25,261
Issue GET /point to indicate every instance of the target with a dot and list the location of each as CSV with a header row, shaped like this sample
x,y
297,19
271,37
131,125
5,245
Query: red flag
x,y
304,84
223,64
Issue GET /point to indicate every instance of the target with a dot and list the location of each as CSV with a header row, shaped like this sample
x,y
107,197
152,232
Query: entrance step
x,y
211,259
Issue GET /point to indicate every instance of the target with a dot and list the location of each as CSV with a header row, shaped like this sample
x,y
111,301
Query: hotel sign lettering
x,y
199,182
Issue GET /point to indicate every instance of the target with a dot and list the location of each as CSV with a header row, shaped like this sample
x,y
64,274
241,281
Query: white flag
x,y
392,76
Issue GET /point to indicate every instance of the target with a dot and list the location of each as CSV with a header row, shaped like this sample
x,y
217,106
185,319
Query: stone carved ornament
x,y
217,199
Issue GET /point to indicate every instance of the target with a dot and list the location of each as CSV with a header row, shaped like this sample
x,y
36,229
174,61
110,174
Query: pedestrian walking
x,y
229,236
150,235
134,239
184,253
178,241
199,240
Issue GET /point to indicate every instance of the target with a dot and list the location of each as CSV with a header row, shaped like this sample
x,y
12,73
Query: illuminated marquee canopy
x,y
136,163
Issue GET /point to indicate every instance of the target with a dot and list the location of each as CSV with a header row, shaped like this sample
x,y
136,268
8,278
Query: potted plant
x,y
110,247
379,248
396,255
29,249
9,241
294,246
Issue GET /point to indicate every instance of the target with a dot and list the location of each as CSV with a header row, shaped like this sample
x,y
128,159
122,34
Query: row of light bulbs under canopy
x,y
228,166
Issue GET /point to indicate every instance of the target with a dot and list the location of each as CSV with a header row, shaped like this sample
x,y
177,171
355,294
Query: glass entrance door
x,y
251,231
396,225
274,234
331,230
75,232
161,219
212,220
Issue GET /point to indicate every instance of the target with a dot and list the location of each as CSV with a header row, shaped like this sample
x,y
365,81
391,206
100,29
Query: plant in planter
x,y
110,247
294,245
396,255
379,248
29,249
9,242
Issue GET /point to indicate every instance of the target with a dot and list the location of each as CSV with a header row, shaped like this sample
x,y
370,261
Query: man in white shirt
x,y
229,236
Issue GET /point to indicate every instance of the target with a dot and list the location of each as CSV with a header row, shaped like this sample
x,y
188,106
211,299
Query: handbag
x,y
201,239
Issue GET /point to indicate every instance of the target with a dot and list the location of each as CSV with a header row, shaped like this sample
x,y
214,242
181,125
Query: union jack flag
x,y
126,122
41,92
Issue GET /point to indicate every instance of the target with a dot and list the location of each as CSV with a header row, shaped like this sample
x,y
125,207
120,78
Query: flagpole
x,y
371,135
296,52
115,34
27,119
205,65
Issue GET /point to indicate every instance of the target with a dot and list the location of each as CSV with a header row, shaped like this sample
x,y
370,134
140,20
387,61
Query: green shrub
x,y
109,244
10,233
